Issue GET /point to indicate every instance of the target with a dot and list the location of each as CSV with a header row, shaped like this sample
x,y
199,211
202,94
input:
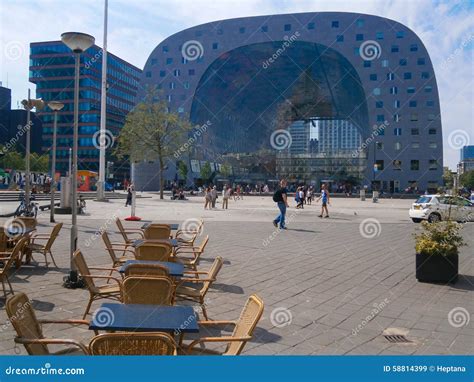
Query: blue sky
x,y
136,27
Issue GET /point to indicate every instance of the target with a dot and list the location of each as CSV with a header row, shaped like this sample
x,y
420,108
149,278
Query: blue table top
x,y
174,269
173,242
173,226
145,318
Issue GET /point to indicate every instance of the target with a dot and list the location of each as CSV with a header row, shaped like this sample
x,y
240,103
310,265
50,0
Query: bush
x,y
441,238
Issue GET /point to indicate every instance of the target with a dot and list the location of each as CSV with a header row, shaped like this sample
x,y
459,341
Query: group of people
x,y
302,196
211,196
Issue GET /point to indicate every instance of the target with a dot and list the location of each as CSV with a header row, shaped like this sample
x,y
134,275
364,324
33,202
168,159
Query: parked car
x,y
435,208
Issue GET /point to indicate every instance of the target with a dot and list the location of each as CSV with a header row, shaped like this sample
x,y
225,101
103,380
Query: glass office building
x,y
364,86
52,70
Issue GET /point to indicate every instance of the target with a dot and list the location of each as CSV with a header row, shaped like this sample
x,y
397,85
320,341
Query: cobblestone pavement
x,y
330,286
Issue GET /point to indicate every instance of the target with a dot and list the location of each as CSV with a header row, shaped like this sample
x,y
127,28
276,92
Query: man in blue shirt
x,y
280,197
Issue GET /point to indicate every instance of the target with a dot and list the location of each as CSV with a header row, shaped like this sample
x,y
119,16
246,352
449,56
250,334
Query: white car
x,y
435,208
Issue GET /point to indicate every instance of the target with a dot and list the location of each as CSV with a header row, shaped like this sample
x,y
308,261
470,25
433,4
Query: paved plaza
x,y
330,286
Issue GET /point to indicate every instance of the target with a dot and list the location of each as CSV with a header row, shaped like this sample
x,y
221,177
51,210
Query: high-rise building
x,y
467,159
52,70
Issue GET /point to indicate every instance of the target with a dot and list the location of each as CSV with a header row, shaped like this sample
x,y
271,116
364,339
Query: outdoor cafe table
x,y
173,226
15,234
173,242
177,319
174,269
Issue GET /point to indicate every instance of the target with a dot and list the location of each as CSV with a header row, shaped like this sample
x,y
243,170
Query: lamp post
x,y
29,104
78,43
55,106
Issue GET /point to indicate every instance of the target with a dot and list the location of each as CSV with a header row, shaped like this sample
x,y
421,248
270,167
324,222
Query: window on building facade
x,y
414,165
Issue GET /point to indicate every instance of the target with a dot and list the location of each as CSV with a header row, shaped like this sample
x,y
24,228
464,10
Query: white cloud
x,y
135,28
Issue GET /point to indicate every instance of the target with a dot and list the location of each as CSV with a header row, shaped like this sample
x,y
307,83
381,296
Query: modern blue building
x,y
253,77
52,70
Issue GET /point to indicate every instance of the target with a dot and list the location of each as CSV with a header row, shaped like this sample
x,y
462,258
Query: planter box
x,y
436,268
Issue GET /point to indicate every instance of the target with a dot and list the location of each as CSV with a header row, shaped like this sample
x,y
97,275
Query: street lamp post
x,y
28,105
55,106
78,43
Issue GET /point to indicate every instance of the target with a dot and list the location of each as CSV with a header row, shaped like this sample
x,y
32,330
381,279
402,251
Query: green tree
x,y
39,163
206,171
448,178
13,160
226,170
182,170
467,179
152,133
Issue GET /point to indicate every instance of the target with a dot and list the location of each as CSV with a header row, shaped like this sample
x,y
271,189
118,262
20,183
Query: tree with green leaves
x,y
448,178
152,133
467,179
39,163
182,170
206,172
226,170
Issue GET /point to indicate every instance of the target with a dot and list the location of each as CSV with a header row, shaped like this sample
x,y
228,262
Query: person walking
x,y
213,196
280,197
207,197
226,193
325,200
309,195
129,195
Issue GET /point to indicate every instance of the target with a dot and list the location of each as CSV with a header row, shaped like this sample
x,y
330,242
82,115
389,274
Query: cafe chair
x,y
195,289
189,255
156,290
117,260
8,259
154,251
133,344
186,237
157,232
3,240
129,231
242,333
97,292
30,332
138,269
44,249
25,221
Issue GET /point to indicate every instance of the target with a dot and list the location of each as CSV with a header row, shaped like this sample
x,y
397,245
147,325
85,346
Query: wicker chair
x,y
44,249
97,291
156,290
27,222
29,329
196,289
243,331
157,232
189,255
133,344
8,259
3,240
117,261
188,236
129,231
154,251
146,270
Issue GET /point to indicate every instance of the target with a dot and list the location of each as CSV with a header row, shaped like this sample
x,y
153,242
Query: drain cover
x,y
396,335
397,339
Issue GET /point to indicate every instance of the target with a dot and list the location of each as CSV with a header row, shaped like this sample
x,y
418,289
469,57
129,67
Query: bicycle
x,y
28,211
